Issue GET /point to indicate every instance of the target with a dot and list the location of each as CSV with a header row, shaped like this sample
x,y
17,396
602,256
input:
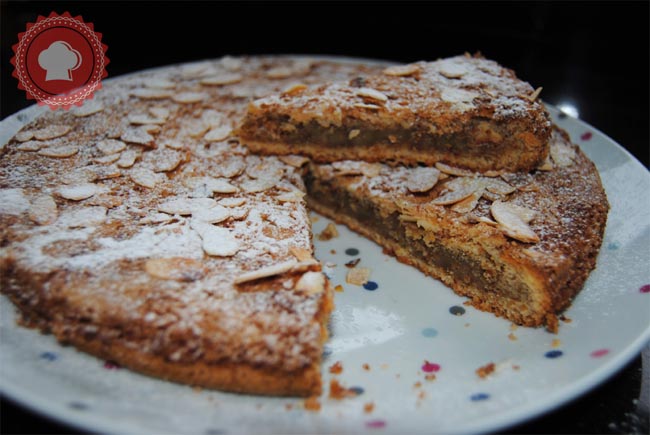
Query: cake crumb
x,y
556,343
288,406
515,367
333,251
368,407
384,366
352,263
336,368
514,326
366,367
312,404
358,276
339,392
418,384
430,377
486,370
328,233
338,288
565,319
512,337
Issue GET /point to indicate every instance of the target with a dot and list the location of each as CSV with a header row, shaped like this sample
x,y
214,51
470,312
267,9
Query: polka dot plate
x,y
405,348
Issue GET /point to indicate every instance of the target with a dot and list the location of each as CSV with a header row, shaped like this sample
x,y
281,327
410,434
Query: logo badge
x,y
59,61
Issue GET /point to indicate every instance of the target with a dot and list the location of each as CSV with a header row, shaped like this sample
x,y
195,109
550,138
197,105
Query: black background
x,y
594,55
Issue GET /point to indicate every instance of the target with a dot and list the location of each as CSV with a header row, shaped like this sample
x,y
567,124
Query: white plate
x,y
393,329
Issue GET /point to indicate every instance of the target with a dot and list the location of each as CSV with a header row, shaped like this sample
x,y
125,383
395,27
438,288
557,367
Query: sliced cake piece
x,y
464,111
520,245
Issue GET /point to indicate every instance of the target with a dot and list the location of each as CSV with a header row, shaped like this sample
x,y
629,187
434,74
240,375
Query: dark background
x,y
593,55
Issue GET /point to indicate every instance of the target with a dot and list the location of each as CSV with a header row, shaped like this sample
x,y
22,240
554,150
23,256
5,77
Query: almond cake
x,y
464,111
140,229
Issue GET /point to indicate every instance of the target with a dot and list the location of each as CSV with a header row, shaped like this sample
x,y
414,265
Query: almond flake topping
x,y
142,119
88,108
31,145
52,132
13,202
422,179
175,268
159,112
295,195
137,136
218,134
43,210
532,97
212,215
127,159
189,97
61,151
372,94
563,155
452,70
358,276
78,192
457,190
159,83
301,254
328,233
151,94
186,206
367,106
294,89
402,70
451,170
279,72
311,283
111,146
353,133
513,221
206,186
294,160
276,269
232,202
352,167
24,135
217,241
145,177
167,160
105,160
222,79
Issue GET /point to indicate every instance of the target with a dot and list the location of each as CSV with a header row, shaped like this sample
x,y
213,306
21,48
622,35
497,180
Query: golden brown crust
x,y
463,111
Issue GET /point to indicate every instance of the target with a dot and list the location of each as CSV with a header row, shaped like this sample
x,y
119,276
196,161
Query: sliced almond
x,y
258,185
452,70
547,164
279,72
127,159
402,70
451,170
106,160
509,217
59,152
52,132
159,112
468,204
458,189
89,107
151,94
145,177
84,217
110,146
372,94
218,134
352,167
156,218
367,106
532,97
497,186
189,97
143,119
422,179
358,276
222,79
354,133
78,192
31,145
13,202
294,160
175,268
159,83
294,89
167,160
137,136
276,269
232,202
311,283
186,206
563,155
219,242
211,215
300,253
43,210
295,195
24,135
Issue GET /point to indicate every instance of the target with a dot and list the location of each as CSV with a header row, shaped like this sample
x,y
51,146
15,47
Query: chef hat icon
x,y
59,60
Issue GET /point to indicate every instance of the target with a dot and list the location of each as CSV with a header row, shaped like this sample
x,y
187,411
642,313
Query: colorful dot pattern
x,y
371,286
429,332
457,310
552,354
479,397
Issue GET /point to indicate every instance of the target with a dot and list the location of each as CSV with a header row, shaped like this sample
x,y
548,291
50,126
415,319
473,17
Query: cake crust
x,y
462,111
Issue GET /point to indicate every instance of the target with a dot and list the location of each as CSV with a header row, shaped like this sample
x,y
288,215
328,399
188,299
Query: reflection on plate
x,y
407,344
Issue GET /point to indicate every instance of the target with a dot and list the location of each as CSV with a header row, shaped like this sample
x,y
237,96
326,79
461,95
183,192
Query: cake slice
x,y
463,111
519,245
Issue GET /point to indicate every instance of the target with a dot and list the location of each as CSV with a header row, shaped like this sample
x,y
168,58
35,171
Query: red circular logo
x,y
59,61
